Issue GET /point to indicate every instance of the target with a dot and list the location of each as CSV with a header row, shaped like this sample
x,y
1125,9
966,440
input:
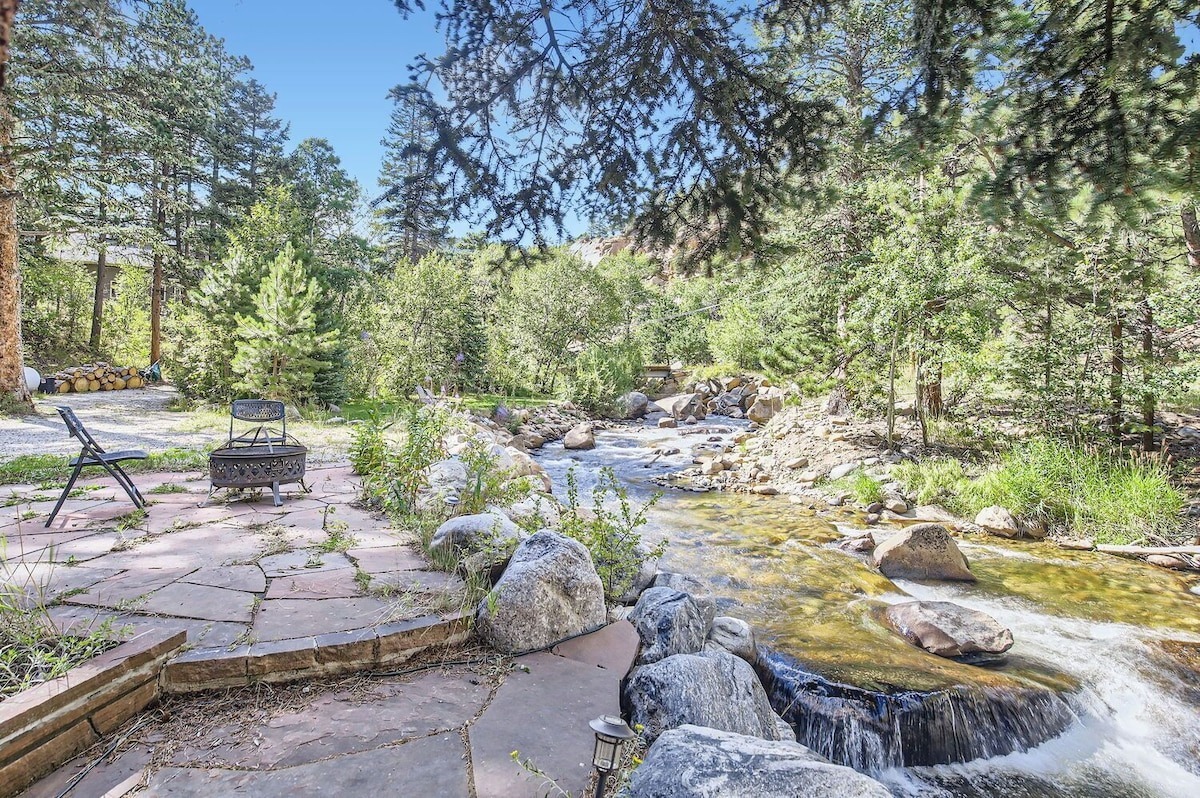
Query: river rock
x,y
764,409
894,504
699,592
580,436
535,511
796,463
948,630
647,569
1034,528
471,533
682,405
700,762
669,622
549,591
922,551
735,636
443,480
633,405
1168,561
843,470
667,422
714,689
1077,544
996,520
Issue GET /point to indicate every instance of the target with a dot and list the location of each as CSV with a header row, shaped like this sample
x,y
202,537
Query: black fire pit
x,y
257,467
258,458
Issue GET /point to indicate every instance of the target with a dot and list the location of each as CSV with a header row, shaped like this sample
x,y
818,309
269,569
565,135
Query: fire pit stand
x,y
260,458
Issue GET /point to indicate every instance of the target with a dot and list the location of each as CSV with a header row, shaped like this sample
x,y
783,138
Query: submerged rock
x,y
714,689
923,551
699,762
948,630
669,622
550,591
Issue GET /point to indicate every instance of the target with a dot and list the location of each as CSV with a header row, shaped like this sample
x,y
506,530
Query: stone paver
x,y
320,585
431,766
300,562
613,648
201,602
281,619
394,558
234,577
542,711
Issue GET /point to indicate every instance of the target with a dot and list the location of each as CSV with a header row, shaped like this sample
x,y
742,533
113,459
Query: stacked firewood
x,y
98,377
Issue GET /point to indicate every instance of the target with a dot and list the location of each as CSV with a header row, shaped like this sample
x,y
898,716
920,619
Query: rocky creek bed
x,y
1095,698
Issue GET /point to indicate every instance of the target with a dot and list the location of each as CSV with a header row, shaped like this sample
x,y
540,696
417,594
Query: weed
x,y
337,536
861,486
131,520
35,468
362,580
168,487
613,537
314,560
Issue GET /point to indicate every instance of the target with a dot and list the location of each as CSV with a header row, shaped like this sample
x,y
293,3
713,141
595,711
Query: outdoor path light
x,y
611,734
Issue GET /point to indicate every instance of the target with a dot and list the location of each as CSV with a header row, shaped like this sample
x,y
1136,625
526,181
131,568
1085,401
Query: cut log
x,y
93,385
80,384
64,386
118,384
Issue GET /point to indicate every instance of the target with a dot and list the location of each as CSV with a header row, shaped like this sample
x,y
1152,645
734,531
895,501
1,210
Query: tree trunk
x,y
1149,403
1191,235
98,298
156,282
1116,378
12,376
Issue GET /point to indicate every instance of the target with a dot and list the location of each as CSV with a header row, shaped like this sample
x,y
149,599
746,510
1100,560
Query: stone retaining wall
x,y
47,725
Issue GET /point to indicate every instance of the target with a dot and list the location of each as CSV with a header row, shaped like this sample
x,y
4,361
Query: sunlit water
x,y
1093,651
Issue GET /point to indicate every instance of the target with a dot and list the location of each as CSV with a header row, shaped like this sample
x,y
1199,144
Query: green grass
x,y
168,487
861,486
476,402
49,471
1111,498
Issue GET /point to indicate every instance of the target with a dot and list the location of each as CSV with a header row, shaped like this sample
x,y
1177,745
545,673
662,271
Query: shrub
x,y
613,537
603,373
936,481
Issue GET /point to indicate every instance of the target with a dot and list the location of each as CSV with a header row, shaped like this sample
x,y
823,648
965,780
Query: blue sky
x,y
330,65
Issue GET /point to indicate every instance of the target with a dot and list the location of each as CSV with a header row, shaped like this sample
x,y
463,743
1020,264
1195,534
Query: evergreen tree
x,y
413,209
278,342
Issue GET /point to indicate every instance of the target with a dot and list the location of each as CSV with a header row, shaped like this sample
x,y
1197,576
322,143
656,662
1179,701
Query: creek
x,y
1098,698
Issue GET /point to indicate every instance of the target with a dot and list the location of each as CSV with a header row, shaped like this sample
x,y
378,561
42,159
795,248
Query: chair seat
x,y
111,457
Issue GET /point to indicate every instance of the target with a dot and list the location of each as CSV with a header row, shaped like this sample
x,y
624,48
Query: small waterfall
x,y
873,731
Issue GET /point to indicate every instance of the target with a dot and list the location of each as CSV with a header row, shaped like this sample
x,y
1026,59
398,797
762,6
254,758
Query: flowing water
x,y
1099,697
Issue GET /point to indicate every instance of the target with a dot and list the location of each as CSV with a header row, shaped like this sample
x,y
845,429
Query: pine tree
x,y
278,342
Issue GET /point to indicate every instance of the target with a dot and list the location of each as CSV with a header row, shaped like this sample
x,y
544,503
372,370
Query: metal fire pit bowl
x,y
257,467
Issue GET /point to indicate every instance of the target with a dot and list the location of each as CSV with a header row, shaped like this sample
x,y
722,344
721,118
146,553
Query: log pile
x,y
98,377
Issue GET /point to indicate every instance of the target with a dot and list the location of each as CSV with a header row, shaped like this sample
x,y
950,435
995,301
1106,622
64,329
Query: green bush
x,y
613,537
936,481
603,372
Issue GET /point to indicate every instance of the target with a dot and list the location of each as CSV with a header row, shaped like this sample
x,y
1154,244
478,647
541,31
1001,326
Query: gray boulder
x,y
922,551
550,591
669,622
472,533
698,762
693,587
682,405
633,405
735,636
443,480
764,408
647,569
714,689
948,630
580,436
998,521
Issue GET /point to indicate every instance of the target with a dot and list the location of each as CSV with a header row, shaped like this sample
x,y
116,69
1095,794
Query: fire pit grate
x,y
259,459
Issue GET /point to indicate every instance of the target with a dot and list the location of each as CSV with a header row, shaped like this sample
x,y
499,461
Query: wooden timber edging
x,y
382,646
51,723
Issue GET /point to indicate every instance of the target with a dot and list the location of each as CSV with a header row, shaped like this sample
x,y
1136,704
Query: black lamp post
x,y
611,735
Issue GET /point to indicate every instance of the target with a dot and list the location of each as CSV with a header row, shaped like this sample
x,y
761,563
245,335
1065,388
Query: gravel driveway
x,y
131,419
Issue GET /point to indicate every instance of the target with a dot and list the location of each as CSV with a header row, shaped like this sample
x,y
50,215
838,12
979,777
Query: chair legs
x,y
115,471
66,490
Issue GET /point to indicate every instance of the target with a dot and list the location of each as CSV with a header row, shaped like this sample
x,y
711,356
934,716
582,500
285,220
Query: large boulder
x,y
550,591
713,688
922,551
541,508
996,520
646,571
682,405
699,762
632,405
669,622
764,408
735,636
476,532
580,436
949,630
699,591
443,480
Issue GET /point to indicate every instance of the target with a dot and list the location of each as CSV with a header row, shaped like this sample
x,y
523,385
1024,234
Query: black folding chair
x,y
93,455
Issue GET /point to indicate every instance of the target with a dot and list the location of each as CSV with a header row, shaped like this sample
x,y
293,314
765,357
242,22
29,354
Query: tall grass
x,y
1109,497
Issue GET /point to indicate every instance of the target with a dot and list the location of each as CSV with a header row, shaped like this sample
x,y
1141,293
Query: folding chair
x,y
93,455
